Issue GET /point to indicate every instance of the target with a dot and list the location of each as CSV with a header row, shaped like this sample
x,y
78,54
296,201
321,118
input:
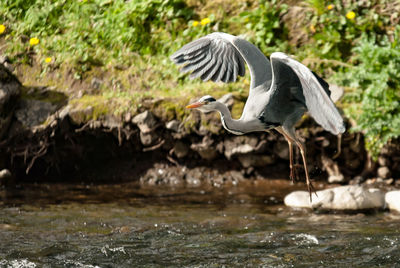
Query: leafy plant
x,y
373,100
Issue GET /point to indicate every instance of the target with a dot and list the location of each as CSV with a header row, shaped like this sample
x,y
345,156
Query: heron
x,y
281,89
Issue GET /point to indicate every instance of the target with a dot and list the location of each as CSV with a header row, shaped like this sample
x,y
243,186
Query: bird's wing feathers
x,y
318,102
212,57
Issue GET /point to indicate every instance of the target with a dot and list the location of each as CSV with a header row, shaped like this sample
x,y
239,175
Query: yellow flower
x,y
33,41
195,23
205,21
350,15
2,28
48,60
330,7
312,28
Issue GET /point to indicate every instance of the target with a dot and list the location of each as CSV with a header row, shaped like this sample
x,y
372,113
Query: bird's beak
x,y
194,105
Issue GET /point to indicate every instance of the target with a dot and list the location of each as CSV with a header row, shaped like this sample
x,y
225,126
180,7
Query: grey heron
x,y
281,89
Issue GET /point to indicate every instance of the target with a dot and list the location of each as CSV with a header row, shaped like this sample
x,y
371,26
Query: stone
x,y
332,168
145,121
96,83
34,112
298,199
253,160
173,125
383,161
383,172
205,149
79,115
392,200
148,138
10,91
281,149
350,197
336,92
228,100
180,149
5,176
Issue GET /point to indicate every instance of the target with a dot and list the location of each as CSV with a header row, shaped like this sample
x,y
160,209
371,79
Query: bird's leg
x,y
310,187
290,134
293,173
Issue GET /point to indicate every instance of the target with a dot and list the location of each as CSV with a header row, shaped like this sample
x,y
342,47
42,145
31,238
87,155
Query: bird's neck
x,y
230,124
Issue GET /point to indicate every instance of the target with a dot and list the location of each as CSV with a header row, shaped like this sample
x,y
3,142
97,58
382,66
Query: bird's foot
x,y
311,189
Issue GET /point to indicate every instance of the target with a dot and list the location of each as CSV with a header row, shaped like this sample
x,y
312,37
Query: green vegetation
x,y
127,44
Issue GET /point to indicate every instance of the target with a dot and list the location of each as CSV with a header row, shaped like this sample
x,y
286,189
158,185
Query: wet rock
x,y
298,199
34,112
145,121
173,125
205,149
251,160
383,172
180,149
392,200
10,90
349,197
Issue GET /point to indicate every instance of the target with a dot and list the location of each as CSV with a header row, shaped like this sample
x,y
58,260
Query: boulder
x,y
392,200
180,149
205,149
350,197
298,199
34,112
173,125
145,121
10,91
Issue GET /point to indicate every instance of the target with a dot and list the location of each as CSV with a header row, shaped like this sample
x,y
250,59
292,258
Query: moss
x,y
44,94
90,107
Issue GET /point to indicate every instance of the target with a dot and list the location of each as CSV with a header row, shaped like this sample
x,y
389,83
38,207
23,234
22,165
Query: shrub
x,y
373,97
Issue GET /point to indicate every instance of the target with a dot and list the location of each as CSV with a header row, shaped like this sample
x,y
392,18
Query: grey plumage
x,y
281,88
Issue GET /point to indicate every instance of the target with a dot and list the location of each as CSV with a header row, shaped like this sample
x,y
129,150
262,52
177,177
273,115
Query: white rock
x,y
383,172
298,199
173,125
336,92
392,200
350,197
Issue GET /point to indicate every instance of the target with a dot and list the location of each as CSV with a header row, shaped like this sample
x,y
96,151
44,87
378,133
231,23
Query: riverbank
x,y
50,137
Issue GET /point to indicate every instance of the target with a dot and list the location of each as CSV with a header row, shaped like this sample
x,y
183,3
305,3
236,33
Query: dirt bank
x,y
44,138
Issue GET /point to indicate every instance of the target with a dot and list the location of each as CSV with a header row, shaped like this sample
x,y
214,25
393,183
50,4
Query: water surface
x,y
128,226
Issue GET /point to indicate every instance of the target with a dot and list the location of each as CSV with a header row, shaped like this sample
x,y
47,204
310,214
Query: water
x,y
128,226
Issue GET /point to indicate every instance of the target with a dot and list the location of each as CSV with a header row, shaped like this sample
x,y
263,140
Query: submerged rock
x,y
351,197
392,200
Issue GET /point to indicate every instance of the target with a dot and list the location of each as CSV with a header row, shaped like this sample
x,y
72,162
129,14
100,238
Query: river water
x,y
130,226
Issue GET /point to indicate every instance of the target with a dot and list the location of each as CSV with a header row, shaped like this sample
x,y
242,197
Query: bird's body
x,y
281,89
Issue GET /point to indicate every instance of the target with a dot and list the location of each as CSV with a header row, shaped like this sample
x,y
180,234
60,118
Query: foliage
x,y
374,97
264,23
335,26
129,41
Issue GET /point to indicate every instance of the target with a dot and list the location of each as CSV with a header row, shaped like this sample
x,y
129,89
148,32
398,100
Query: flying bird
x,y
281,89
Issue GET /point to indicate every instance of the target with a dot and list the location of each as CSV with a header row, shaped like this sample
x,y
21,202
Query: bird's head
x,y
204,104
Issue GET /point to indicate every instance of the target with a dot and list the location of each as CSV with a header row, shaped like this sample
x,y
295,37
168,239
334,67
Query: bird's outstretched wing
x,y
211,58
315,92
222,57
